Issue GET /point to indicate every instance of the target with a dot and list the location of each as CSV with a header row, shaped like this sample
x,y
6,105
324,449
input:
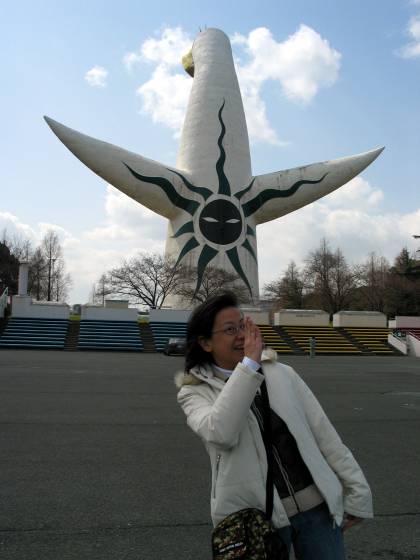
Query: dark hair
x,y
201,324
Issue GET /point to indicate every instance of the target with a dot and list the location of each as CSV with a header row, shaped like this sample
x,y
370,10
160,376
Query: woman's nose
x,y
240,334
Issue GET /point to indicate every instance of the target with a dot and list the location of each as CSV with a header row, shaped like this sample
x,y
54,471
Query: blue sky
x,y
320,80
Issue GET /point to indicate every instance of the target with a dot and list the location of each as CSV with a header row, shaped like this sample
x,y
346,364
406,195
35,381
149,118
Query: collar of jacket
x,y
205,373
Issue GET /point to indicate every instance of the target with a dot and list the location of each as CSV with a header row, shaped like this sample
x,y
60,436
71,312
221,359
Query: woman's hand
x,y
253,344
350,521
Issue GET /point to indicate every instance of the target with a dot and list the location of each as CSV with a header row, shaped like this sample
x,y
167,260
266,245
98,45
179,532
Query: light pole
x,y
417,237
50,270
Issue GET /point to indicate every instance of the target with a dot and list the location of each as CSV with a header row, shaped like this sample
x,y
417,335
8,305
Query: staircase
x,y
373,340
109,335
274,340
21,332
163,331
329,341
289,340
3,324
146,335
72,337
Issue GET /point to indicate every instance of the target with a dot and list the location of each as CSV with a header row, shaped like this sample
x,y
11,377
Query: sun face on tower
x,y
219,222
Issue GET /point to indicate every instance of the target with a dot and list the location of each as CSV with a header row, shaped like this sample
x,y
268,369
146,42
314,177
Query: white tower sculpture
x,y
212,200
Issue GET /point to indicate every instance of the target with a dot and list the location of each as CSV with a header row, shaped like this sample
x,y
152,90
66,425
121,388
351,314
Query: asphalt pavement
x,y
97,462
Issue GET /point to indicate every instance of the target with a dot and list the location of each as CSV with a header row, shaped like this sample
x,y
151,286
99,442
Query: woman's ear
x,y
205,344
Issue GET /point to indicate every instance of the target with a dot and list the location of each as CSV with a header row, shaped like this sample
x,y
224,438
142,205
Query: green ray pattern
x,y
269,194
186,228
224,187
246,244
234,259
241,193
179,201
189,246
203,191
207,254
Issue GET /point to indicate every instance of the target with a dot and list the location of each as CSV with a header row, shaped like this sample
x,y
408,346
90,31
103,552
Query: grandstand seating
x,y
109,335
128,336
22,332
274,340
328,339
163,331
373,340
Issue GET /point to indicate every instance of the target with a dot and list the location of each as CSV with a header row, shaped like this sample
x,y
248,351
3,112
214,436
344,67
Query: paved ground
x,y
97,463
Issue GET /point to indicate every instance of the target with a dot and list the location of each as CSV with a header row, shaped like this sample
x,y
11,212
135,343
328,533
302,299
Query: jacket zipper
x,y
219,456
286,478
278,461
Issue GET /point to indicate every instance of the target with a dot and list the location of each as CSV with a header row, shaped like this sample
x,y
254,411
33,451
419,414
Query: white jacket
x,y
220,414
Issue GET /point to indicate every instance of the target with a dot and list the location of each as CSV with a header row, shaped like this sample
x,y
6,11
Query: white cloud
x,y
165,97
169,49
11,226
351,195
127,221
166,51
412,49
96,77
350,218
300,66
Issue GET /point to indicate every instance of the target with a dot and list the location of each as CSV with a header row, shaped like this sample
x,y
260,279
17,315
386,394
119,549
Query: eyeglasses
x,y
231,331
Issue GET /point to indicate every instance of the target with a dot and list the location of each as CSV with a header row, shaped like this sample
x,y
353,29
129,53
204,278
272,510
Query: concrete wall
x,y
405,322
302,317
23,306
169,315
359,319
259,317
100,313
116,303
413,344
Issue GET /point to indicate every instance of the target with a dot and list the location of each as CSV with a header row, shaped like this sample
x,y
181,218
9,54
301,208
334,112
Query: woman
x,y
320,489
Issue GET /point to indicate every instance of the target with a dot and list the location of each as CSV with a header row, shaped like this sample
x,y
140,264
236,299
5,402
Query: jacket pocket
x,y
216,473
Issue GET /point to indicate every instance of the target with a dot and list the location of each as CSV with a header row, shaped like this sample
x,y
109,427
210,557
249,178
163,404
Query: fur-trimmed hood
x,y
199,374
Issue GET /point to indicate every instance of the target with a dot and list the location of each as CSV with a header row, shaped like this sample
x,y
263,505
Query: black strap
x,y
267,438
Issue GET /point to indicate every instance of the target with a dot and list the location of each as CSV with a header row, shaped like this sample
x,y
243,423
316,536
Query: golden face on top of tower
x,y
188,63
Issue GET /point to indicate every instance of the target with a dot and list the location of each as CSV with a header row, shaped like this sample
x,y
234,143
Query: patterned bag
x,y
247,534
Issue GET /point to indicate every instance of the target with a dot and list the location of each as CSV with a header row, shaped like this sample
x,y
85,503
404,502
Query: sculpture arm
x,y
279,193
150,183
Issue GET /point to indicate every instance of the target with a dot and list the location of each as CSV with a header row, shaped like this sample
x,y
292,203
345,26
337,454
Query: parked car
x,y
175,346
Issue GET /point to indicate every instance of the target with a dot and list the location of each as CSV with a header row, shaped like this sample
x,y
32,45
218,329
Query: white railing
x,y
415,334
3,302
398,342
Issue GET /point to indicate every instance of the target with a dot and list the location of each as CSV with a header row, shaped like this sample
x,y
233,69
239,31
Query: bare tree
x,y
372,279
214,281
101,289
52,252
329,278
36,278
288,290
146,279
61,282
20,247
9,270
48,279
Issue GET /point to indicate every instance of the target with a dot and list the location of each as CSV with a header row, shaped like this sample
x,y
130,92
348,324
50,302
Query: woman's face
x,y
227,349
